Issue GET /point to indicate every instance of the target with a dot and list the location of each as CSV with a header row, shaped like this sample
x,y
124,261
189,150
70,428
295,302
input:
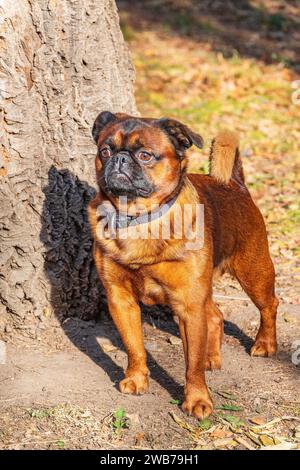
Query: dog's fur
x,y
164,271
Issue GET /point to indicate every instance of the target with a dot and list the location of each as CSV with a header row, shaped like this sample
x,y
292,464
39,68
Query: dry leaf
x,y
257,420
266,440
183,424
253,437
224,443
139,437
243,442
221,433
282,446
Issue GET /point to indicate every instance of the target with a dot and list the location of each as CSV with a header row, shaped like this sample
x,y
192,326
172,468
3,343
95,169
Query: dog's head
x,y
141,158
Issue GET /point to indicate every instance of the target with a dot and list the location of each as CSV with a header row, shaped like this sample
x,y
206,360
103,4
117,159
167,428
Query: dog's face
x,y
142,159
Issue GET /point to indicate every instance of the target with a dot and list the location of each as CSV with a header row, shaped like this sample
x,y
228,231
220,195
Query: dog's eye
x,y
145,156
105,152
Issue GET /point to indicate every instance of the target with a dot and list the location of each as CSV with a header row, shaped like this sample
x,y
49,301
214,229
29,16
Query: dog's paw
x,y
200,409
135,384
198,405
263,348
213,362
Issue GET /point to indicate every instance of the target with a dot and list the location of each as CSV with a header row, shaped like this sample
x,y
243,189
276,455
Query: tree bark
x,y
61,62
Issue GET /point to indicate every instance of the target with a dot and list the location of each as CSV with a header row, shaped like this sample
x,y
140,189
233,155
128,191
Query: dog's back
x,y
236,222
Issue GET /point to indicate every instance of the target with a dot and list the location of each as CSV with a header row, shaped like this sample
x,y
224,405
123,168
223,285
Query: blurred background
x,y
215,64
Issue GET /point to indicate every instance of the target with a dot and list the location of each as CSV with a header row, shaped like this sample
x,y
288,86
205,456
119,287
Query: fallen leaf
x,y
139,437
253,437
175,402
282,446
224,443
244,443
257,420
183,424
266,440
234,420
257,429
229,407
221,433
205,424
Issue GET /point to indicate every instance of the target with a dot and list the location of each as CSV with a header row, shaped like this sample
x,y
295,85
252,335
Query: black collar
x,y
119,220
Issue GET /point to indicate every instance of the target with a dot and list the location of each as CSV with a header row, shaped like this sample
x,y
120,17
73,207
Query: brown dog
x,y
145,160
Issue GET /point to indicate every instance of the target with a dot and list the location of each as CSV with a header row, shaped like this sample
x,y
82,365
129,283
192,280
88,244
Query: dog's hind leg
x,y
265,343
257,277
215,327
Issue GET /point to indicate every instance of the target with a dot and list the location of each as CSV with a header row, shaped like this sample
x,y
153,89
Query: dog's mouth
x,y
120,183
120,176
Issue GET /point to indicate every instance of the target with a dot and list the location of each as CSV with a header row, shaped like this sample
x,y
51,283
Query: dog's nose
x,y
122,159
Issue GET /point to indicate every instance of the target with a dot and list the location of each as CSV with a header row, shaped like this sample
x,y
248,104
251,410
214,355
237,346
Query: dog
x,y
144,162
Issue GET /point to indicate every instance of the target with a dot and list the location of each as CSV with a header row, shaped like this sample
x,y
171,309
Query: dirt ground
x,y
63,394
209,67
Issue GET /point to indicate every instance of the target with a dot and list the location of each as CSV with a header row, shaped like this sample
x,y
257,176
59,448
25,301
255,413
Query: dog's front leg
x,y
193,330
126,315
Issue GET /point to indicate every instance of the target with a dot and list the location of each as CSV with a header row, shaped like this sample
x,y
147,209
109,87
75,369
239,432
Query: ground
x,y
64,394
212,67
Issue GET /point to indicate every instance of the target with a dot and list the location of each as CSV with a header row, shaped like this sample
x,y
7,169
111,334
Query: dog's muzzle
x,y
124,176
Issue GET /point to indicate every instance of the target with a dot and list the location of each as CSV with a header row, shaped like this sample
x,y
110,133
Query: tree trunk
x,y
62,62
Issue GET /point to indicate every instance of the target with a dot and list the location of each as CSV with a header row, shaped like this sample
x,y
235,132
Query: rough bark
x,y
61,62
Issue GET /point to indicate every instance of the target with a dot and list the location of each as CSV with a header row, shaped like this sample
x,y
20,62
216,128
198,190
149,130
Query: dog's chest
x,y
148,264
138,253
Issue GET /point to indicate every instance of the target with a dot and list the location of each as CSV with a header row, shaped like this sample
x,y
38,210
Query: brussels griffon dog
x,y
141,168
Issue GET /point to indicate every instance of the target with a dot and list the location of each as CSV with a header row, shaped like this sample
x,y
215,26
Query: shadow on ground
x,y
75,287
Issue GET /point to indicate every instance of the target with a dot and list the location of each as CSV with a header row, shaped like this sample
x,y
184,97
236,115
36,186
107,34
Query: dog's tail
x,y
224,162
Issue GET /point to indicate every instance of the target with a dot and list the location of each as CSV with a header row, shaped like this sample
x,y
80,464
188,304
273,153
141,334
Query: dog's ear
x,y
104,118
181,136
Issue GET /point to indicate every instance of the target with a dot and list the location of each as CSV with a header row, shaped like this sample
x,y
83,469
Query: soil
x,y
62,391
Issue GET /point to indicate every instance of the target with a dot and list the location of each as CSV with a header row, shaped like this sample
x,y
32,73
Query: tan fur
x,y
222,157
158,270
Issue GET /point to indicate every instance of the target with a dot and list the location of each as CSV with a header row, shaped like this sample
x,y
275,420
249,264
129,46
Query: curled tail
x,y
224,161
